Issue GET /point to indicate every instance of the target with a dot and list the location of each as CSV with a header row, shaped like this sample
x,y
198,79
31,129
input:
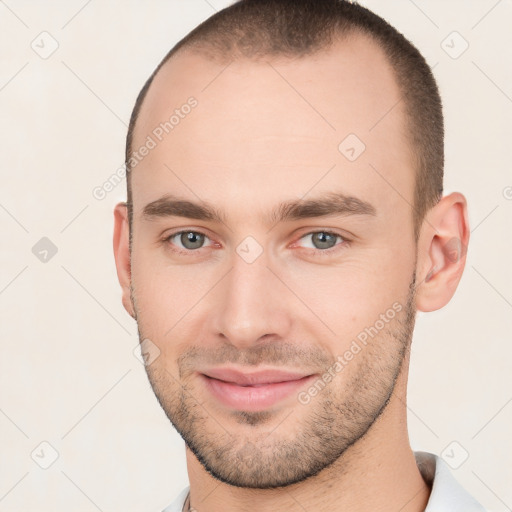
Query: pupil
x,y
323,240
192,240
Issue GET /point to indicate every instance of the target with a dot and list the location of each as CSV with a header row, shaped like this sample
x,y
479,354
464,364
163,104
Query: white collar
x,y
447,495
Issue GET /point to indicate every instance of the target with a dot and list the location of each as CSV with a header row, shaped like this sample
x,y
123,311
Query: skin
x,y
266,132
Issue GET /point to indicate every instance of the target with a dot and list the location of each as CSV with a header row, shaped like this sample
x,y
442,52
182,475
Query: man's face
x,y
250,292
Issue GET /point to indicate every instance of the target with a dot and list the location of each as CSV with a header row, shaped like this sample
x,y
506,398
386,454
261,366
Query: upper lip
x,y
268,376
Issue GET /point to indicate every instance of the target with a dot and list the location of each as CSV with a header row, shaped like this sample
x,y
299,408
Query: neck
x,y
377,473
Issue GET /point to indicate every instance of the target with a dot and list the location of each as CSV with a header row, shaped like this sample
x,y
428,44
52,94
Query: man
x,y
284,223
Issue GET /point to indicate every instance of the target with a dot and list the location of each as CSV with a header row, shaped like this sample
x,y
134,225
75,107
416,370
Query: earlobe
x,y
442,248
121,243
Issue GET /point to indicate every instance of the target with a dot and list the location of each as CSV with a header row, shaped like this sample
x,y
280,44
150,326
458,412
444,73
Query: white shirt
x,y
447,495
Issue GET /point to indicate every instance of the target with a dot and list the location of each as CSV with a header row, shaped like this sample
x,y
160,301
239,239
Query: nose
x,y
251,304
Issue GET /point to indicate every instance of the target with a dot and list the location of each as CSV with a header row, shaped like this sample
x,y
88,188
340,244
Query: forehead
x,y
280,121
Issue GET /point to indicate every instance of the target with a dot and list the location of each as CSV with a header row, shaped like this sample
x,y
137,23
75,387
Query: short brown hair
x,y
295,28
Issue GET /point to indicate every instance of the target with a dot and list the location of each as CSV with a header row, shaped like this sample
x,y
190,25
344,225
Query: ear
x,y
122,254
442,248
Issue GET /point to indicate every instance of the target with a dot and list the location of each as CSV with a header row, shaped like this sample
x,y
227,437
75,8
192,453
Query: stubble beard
x,y
262,454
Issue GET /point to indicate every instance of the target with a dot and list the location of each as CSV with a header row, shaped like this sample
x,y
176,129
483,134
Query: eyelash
x,y
314,252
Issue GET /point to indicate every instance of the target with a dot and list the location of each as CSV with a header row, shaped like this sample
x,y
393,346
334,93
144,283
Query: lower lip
x,y
252,398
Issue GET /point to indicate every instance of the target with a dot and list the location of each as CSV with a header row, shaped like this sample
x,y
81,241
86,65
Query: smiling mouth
x,y
252,391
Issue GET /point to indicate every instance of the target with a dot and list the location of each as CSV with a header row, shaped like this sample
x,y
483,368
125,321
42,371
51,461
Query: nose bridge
x,y
250,302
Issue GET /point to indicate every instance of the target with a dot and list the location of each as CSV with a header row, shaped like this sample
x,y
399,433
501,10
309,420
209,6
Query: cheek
x,y
160,299
169,300
350,297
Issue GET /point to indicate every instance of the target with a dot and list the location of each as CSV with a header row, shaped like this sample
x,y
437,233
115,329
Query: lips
x,y
252,379
252,391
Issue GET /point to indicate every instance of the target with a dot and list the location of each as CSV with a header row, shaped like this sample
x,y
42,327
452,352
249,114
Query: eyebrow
x,y
330,204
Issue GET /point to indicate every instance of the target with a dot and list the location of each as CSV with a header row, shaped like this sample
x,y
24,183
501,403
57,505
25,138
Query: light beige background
x,y
68,374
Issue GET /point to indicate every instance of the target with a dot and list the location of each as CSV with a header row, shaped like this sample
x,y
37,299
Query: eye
x,y
188,240
322,240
